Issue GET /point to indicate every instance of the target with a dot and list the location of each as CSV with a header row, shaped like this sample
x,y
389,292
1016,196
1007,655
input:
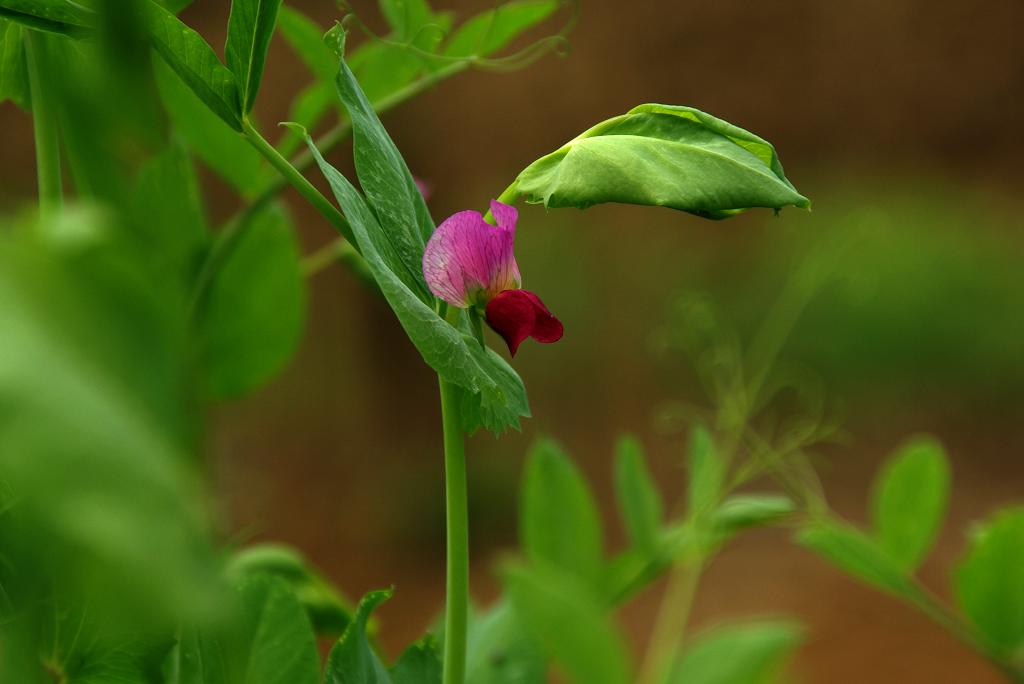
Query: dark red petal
x,y
518,314
511,314
547,328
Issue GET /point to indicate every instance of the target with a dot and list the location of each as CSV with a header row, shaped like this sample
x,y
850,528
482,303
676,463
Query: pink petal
x,y
467,261
518,314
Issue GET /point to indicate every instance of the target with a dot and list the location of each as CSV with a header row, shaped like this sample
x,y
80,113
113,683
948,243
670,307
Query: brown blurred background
x,y
900,119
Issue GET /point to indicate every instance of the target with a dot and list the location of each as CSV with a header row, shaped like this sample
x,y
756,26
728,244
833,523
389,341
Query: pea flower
x,y
471,265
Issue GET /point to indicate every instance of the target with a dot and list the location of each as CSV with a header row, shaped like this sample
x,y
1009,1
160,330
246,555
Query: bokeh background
x,y
900,119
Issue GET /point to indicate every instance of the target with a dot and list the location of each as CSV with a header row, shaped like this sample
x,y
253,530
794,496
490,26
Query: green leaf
x,y
328,610
493,396
856,554
282,646
306,39
195,62
196,658
639,500
418,664
570,621
308,109
62,17
744,511
353,660
220,147
910,497
490,31
175,5
663,155
95,419
501,650
742,654
707,472
988,582
559,523
250,27
167,206
389,187
13,69
252,319
406,17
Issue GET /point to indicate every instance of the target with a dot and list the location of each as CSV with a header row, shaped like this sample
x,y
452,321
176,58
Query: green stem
x,y
671,621
298,181
457,586
44,115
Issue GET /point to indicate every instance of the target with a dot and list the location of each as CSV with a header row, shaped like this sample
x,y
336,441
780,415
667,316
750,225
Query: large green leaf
x,y
909,502
741,654
13,69
251,320
663,155
638,498
490,31
250,27
858,555
493,395
281,643
328,610
353,660
220,147
62,17
571,622
95,419
989,582
195,62
559,523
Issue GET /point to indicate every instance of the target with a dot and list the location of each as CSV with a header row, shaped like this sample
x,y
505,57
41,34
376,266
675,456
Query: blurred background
x,y
899,119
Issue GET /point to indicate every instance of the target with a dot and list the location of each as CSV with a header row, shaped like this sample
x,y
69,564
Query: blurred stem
x,y
509,196
457,585
671,621
44,119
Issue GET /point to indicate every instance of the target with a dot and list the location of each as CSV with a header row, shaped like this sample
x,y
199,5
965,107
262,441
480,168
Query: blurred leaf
x,y
500,650
742,654
250,27
663,155
406,17
707,472
493,396
490,31
638,498
571,623
559,522
175,5
95,420
307,40
168,209
988,582
856,554
13,68
196,658
910,497
353,660
282,646
418,664
743,511
252,319
195,62
328,610
228,154
308,109
61,17
389,188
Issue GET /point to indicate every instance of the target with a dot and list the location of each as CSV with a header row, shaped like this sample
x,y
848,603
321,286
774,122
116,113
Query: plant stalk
x,y
671,621
457,584
44,119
